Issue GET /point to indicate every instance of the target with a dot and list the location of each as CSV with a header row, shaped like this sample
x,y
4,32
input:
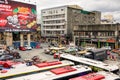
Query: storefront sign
x,y
110,40
16,16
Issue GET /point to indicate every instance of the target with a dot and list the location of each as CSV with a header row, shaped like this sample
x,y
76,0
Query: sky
x,y
110,7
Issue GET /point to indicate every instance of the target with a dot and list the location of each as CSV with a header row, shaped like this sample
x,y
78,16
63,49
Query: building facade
x,y
17,23
53,22
98,35
58,22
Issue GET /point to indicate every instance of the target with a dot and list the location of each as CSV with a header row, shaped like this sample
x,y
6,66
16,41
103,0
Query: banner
x,y
17,16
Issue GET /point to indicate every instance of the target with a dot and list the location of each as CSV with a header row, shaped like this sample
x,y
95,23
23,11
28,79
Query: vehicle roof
x,y
97,50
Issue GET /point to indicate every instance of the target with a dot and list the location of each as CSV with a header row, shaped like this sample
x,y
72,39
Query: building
x,y
98,35
58,22
17,23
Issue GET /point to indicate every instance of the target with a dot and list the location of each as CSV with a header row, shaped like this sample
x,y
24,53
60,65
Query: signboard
x,y
17,16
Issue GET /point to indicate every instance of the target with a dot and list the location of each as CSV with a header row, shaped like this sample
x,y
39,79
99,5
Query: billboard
x,y
17,16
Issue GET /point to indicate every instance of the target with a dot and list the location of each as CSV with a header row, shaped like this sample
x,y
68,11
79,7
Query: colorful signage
x,y
17,16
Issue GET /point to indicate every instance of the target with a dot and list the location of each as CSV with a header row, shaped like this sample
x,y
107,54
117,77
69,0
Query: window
x,y
56,11
32,37
62,9
43,12
62,32
25,37
50,12
16,36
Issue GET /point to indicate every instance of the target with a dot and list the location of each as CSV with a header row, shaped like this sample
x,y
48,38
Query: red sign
x,y
111,40
3,22
17,16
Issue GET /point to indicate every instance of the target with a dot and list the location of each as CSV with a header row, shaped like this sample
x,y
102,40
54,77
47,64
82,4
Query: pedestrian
x,y
114,58
110,57
108,52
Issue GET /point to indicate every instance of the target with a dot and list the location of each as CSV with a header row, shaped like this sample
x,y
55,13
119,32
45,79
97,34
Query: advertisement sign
x,y
17,16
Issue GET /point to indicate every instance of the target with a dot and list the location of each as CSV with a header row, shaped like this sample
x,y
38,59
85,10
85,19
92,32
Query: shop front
x,y
96,42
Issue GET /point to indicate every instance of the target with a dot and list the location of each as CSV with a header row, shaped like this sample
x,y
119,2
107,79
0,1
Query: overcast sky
x,y
111,7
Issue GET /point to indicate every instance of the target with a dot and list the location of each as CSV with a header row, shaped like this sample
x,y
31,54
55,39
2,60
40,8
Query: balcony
x,y
47,14
54,35
54,19
54,24
55,29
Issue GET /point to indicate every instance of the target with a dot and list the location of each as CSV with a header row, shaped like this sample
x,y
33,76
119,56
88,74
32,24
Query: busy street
x,y
59,40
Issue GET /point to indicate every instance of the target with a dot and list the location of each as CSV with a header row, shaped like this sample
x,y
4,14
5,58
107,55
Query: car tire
x,y
18,57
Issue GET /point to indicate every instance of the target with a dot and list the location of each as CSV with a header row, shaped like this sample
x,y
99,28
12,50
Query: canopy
x,y
57,48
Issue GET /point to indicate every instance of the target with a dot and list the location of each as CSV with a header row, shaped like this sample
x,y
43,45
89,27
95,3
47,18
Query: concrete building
x,y
59,21
99,35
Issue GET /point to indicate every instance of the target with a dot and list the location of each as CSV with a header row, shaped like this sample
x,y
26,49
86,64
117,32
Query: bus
x,y
62,73
89,62
22,69
109,75
101,75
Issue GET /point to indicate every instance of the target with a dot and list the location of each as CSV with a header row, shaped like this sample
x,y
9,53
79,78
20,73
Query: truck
x,y
97,54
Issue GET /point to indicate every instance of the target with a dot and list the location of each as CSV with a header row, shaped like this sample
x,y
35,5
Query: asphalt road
x,y
28,54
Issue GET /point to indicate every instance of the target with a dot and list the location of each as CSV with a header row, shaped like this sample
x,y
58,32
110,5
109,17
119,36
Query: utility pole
x,y
116,36
84,40
78,39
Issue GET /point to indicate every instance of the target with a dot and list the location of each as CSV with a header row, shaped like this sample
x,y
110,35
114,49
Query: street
x,y
47,57
36,52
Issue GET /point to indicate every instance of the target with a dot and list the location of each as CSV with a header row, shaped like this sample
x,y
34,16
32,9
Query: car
x,y
82,52
1,51
57,54
22,48
15,54
80,48
47,51
71,49
54,44
10,49
27,47
6,57
38,46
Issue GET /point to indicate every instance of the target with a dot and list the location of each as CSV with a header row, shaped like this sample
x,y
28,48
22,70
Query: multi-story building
x,y
98,35
59,21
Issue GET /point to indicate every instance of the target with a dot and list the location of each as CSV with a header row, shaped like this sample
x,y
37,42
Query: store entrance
x,y
16,36
16,39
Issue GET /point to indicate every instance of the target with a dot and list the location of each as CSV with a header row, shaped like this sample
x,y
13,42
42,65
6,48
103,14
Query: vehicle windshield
x,y
11,48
